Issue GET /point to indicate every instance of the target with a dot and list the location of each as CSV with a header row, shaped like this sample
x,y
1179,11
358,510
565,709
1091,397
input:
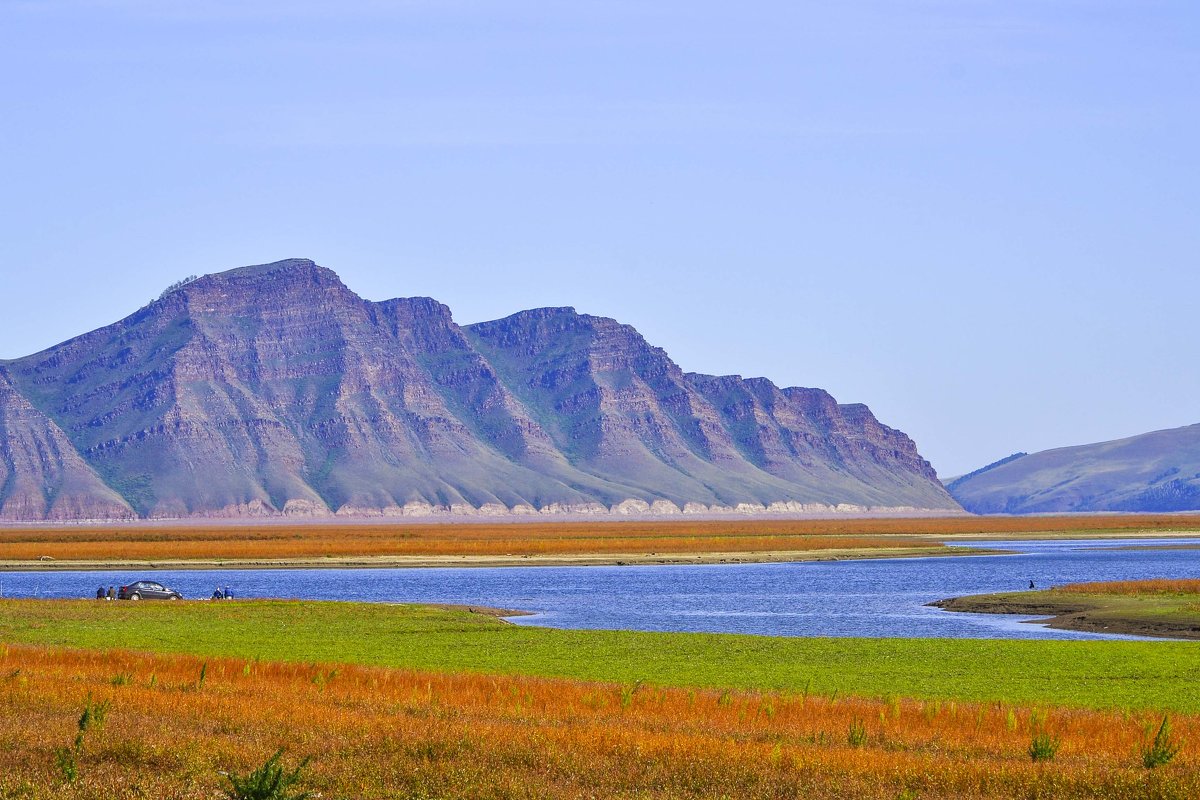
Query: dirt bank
x,y
1137,616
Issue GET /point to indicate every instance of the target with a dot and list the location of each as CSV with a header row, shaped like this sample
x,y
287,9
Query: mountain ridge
x,y
274,389
1158,471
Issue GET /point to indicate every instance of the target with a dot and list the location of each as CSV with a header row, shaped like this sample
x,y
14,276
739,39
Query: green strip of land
x,y
1098,674
1175,616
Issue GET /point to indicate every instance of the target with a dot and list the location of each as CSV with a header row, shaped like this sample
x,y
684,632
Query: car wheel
x,y
173,597
135,596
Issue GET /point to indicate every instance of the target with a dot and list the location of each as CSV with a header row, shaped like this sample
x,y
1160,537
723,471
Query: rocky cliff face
x,y
619,408
41,475
275,389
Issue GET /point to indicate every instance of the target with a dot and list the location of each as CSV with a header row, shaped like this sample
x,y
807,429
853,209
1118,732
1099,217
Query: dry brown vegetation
x,y
402,540
280,540
174,721
1157,586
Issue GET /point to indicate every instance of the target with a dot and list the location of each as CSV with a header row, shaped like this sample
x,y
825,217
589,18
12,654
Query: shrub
x,y
857,735
64,759
1162,749
1043,747
271,781
93,715
177,285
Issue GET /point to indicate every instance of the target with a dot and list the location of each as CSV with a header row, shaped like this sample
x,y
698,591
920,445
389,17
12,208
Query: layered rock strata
x,y
275,390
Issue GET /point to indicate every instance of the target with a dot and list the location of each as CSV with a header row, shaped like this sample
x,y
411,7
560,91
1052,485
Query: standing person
x,y
100,593
112,593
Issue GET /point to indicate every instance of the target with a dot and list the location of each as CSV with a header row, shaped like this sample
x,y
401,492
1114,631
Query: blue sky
x,y
980,218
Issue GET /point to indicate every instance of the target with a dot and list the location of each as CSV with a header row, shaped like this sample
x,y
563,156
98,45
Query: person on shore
x,y
217,594
112,593
100,593
228,594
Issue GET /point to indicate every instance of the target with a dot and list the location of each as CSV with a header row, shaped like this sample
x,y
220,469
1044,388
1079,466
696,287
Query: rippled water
x,y
843,598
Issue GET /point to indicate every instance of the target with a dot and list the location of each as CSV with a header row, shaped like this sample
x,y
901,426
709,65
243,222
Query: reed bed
x,y
312,544
174,722
1156,586
281,540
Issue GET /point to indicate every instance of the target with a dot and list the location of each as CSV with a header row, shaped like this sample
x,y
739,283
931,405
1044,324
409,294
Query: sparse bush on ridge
x,y
179,284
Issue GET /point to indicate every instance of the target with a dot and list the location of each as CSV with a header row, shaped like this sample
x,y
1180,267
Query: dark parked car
x,y
147,590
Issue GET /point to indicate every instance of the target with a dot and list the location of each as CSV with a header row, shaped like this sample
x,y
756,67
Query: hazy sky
x,y
980,218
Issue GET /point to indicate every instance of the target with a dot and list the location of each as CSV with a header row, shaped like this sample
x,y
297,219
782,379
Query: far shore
x,y
541,543
516,520
1065,524
412,562
1078,535
1188,546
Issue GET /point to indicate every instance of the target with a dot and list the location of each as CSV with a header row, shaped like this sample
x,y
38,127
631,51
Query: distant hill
x,y
1157,471
950,482
274,389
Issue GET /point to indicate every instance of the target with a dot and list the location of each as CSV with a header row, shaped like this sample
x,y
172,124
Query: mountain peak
x,y
290,268
534,315
294,281
275,389
256,277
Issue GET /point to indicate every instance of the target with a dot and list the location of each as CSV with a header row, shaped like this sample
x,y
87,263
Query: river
x,y
882,597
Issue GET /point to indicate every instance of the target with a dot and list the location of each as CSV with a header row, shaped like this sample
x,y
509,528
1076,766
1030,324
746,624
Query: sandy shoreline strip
x,y
1074,535
488,611
409,562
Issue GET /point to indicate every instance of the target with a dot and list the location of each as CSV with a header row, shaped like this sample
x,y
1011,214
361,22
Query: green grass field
x,y
1097,674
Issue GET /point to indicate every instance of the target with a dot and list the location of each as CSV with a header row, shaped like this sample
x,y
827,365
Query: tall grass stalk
x,y
1162,749
857,735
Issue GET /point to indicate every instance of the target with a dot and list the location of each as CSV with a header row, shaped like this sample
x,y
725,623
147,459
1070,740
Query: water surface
x,y
882,597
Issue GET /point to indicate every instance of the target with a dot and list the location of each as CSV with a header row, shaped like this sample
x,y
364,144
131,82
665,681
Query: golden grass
x,y
1157,586
348,543
281,540
388,733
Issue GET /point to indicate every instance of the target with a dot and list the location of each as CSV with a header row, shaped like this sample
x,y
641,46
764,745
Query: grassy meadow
x,y
422,702
161,726
1082,674
158,700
